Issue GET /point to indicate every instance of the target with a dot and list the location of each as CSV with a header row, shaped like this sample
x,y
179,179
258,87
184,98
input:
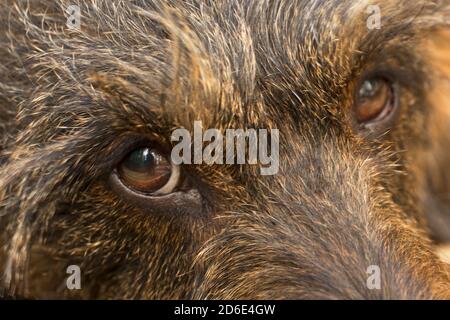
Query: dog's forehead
x,y
215,60
308,40
236,53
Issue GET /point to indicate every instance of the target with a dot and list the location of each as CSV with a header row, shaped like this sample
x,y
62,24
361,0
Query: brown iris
x,y
145,170
374,100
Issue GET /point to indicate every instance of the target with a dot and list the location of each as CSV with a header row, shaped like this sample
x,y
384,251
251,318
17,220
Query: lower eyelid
x,y
180,202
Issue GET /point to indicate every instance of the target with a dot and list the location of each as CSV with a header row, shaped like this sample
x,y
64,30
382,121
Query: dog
x,y
91,92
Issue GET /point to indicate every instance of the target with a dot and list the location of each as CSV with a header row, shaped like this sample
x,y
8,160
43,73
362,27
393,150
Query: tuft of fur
x,y
72,100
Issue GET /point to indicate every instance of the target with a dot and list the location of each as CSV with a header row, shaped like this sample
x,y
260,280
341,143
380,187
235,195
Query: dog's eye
x,y
374,100
146,170
145,178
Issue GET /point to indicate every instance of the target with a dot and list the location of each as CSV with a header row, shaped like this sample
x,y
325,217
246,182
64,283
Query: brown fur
x,y
71,101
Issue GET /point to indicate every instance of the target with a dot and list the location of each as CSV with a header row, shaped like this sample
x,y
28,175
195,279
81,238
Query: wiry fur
x,y
71,100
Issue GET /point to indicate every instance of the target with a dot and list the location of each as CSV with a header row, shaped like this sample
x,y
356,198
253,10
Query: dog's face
x,y
86,176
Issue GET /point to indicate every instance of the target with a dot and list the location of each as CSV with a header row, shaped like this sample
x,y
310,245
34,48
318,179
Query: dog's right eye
x,y
147,171
145,177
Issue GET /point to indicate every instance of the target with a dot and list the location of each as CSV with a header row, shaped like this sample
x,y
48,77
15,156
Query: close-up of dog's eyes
x,y
147,170
374,101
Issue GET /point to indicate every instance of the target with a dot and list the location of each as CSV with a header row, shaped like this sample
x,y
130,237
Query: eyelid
x,y
177,203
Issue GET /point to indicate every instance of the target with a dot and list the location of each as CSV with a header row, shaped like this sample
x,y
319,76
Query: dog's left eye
x,y
146,170
374,101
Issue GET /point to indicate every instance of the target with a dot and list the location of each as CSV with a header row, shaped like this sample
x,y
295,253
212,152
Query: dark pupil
x,y
140,160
